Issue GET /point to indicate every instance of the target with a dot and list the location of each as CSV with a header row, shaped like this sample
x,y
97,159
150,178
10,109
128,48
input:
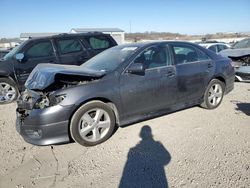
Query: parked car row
x,y
66,49
215,47
122,85
238,52
3,53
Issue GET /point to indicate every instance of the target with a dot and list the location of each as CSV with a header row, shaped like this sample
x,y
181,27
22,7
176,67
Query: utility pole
x,y
130,26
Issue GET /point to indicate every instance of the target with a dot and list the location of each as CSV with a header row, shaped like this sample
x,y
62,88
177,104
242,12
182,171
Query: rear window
x,y
67,46
99,42
186,54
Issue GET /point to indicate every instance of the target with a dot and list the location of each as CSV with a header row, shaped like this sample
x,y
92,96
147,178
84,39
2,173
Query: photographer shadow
x,y
145,163
244,107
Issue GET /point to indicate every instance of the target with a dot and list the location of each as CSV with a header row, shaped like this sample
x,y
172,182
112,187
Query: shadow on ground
x,y
243,107
145,163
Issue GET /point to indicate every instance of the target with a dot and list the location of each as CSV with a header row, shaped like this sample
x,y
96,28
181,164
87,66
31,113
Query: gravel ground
x,y
190,148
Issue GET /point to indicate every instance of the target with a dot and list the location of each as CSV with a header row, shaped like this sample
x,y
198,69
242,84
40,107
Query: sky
x,y
185,17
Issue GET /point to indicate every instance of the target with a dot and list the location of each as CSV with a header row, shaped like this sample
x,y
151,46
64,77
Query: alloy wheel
x,y
215,94
7,92
94,125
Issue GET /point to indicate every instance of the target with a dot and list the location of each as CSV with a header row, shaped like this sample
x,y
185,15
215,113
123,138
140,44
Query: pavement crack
x,y
37,160
23,158
57,167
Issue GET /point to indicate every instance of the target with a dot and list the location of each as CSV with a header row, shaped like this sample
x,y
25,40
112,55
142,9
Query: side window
x,y
154,57
41,49
221,47
98,42
184,54
213,48
67,46
202,56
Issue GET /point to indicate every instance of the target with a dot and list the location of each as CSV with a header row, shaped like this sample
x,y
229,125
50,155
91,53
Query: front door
x,y
35,53
146,93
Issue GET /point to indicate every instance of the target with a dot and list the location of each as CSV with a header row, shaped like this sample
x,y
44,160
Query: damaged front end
x,y
46,79
242,68
42,116
240,61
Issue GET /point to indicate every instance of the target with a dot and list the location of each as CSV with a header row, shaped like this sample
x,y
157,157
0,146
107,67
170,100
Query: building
x,y
26,36
8,45
116,33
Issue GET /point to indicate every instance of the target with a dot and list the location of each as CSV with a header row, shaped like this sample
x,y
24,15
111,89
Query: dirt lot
x,y
189,148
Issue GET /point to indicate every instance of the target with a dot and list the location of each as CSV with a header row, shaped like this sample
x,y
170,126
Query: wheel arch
x,y
110,103
100,99
221,78
8,77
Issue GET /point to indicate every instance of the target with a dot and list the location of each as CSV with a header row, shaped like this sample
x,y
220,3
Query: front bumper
x,y
242,73
44,126
242,77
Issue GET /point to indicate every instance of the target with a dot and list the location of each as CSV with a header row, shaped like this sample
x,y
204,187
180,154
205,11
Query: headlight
x,y
45,101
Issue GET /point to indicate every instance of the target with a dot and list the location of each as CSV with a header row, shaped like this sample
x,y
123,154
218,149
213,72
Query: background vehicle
x,y
67,49
122,85
3,53
215,47
240,55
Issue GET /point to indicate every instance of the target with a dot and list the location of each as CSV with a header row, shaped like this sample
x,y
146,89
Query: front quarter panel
x,y
104,88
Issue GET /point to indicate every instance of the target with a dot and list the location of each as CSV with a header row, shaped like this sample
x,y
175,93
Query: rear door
x,y
36,52
71,51
98,43
154,90
192,68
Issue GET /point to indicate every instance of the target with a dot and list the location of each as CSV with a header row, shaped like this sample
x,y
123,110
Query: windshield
x,y
110,59
245,43
13,51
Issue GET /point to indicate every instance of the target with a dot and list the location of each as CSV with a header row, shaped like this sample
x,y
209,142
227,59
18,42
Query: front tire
x,y
213,94
8,91
92,124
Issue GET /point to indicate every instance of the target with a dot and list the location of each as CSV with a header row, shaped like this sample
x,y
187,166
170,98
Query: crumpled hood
x,y
45,74
235,52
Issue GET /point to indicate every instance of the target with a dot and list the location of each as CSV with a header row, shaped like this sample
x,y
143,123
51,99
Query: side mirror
x,y
19,57
136,68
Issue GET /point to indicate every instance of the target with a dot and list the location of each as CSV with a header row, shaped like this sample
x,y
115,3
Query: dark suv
x,y
67,49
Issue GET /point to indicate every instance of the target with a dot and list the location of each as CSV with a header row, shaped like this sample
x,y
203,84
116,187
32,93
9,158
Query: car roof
x,y
207,45
149,43
63,35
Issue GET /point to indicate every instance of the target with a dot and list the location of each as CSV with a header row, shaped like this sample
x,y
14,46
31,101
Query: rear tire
x,y
93,123
213,94
8,91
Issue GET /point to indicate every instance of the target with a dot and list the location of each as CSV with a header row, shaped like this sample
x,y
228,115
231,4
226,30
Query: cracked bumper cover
x,y
45,127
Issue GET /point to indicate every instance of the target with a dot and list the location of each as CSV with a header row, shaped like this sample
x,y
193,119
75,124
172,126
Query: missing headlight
x,y
42,103
47,101
54,100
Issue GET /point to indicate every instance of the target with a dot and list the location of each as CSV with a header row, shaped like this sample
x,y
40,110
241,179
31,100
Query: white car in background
x,y
215,47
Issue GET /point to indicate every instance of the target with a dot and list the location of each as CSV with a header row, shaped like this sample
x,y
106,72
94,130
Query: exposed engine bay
x,y
241,61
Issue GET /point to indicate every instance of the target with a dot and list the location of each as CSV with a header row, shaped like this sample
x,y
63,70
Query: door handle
x,y
51,61
170,74
210,65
